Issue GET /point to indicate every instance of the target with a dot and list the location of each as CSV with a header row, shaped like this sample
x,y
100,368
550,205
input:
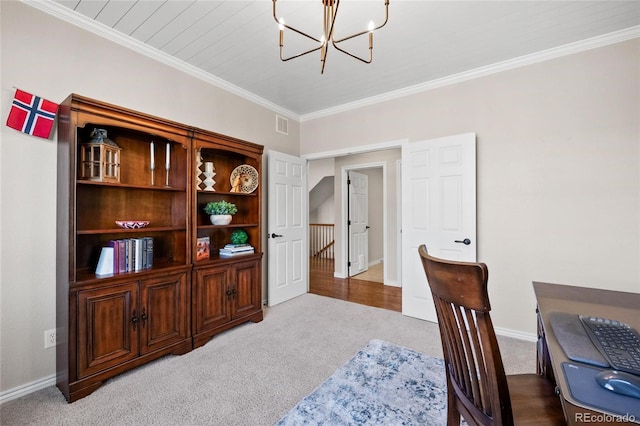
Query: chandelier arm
x,y
299,54
275,17
301,33
354,56
386,19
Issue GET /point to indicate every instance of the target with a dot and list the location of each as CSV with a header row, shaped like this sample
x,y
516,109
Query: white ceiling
x,y
235,43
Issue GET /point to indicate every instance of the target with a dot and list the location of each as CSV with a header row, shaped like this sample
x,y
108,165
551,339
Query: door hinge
x,y
349,222
348,181
349,264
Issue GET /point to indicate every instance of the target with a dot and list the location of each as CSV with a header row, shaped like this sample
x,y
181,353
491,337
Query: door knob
x,y
466,241
274,235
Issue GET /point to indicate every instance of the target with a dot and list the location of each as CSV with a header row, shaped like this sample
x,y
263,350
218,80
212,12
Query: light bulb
x,y
371,26
281,24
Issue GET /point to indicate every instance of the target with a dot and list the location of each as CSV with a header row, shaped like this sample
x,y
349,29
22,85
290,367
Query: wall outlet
x,y
49,338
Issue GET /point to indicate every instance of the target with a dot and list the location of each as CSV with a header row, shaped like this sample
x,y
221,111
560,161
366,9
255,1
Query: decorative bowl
x,y
132,224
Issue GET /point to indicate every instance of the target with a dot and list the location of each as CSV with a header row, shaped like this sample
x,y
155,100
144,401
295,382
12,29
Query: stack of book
x,y
133,254
231,250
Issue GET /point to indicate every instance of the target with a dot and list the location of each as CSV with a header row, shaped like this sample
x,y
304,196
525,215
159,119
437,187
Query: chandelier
x,y
330,11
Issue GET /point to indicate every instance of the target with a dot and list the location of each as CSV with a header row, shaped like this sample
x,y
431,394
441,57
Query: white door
x,y
358,222
287,248
438,210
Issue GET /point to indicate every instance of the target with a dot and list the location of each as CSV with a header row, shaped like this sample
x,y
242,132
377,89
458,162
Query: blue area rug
x,y
383,384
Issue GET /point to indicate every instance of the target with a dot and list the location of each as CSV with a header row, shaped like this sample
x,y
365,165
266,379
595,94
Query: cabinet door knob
x,y
134,319
143,317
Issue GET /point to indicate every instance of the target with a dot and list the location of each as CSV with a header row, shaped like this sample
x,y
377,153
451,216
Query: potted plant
x,y
220,212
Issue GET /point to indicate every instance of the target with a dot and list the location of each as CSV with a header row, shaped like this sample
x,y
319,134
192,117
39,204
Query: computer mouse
x,y
619,382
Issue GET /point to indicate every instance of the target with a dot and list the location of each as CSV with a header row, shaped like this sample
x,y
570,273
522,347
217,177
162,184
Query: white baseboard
x,y
516,334
27,388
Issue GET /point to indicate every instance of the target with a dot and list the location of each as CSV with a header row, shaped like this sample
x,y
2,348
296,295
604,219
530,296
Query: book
x,y
237,249
122,256
137,254
130,253
230,246
202,248
115,245
227,253
149,252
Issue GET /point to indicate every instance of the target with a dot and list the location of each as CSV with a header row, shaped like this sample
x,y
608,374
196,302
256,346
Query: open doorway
x,y
385,212
329,277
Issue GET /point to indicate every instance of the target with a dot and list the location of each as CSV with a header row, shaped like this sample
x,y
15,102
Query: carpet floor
x,y
251,375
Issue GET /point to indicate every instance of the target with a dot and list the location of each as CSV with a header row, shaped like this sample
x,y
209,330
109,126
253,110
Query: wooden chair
x,y
477,386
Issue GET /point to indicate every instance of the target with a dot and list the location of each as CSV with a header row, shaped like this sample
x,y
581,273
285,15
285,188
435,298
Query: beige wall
x,y
71,60
558,163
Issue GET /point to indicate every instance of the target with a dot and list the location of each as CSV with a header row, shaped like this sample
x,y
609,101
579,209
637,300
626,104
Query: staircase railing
x,y
321,240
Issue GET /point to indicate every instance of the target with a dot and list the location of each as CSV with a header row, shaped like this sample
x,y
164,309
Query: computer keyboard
x,y
618,342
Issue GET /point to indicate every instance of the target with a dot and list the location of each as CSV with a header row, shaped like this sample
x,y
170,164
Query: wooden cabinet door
x,y
108,327
163,311
212,293
246,288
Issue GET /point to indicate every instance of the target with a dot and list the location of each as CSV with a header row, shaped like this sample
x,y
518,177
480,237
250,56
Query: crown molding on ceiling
x,y
556,52
104,31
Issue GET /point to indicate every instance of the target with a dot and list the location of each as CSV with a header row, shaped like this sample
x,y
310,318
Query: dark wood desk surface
x,y
621,306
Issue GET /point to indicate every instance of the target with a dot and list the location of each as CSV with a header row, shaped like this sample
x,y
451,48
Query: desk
x,y
617,305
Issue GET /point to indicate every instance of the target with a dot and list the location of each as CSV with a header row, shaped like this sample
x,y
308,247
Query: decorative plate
x,y
244,178
132,224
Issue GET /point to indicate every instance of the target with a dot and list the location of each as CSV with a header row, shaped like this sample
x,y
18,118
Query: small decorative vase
x,y
209,174
220,219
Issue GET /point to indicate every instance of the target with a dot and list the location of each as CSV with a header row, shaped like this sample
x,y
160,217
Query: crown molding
x,y
556,52
109,33
104,31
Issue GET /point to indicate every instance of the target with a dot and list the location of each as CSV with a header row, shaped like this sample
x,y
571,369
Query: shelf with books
x,y
168,247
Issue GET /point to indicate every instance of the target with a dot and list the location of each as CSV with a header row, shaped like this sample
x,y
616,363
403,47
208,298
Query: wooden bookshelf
x,y
111,324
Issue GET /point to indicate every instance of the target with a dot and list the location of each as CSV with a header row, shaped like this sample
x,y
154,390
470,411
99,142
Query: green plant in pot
x,y
220,212
239,236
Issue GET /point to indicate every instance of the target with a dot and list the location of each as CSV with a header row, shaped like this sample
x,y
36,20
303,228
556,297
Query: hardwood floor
x,y
322,282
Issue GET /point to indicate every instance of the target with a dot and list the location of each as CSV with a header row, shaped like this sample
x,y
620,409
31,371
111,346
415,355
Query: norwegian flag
x,y
31,114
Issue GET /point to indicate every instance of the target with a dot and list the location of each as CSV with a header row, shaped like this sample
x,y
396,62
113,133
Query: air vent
x,y
282,125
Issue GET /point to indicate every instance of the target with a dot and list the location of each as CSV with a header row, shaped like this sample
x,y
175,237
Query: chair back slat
x,y
473,361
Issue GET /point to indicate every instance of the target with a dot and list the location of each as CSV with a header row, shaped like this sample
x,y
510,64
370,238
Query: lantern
x,y
100,158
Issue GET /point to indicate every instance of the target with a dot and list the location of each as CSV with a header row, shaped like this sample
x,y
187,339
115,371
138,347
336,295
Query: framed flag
x,y
32,114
